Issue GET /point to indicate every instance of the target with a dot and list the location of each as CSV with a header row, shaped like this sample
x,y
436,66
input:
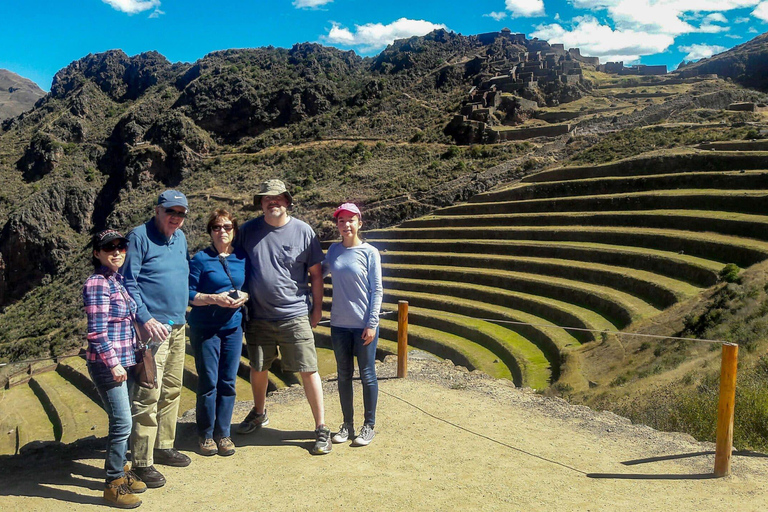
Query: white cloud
x,y
665,16
525,8
156,13
761,12
374,36
742,20
716,17
498,16
701,51
310,4
753,30
135,6
598,40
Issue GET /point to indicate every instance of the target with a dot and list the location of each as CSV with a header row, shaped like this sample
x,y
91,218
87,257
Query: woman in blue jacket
x,y
216,277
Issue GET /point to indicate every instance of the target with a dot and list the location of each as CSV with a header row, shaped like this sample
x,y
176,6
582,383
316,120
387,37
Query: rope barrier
x,y
478,434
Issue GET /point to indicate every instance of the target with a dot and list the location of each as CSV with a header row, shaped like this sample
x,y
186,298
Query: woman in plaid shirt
x,y
110,353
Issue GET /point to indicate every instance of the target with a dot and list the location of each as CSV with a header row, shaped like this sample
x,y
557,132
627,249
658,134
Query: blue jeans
x,y
217,356
347,343
117,404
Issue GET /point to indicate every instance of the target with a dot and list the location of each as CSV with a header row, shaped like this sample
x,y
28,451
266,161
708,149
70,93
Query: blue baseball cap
x,y
171,198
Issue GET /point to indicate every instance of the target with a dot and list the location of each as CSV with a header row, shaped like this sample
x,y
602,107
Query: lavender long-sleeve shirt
x,y
357,288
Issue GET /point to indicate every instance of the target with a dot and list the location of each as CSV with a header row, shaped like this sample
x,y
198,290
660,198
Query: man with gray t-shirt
x,y
284,258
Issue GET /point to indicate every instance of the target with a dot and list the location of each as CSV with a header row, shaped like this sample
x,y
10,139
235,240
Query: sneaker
x,y
208,447
323,441
253,421
365,437
171,457
226,447
133,481
151,477
119,494
346,430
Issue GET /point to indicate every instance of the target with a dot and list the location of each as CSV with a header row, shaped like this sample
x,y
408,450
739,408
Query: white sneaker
x,y
365,437
346,430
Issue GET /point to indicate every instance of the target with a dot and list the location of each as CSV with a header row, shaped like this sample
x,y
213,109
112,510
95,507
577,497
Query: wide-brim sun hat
x,y
347,207
272,188
102,238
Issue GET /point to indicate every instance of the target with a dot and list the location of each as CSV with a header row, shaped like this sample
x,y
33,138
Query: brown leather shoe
x,y
119,494
226,446
170,457
134,482
150,476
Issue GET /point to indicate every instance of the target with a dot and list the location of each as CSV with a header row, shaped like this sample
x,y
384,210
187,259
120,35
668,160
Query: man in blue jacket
x,y
156,274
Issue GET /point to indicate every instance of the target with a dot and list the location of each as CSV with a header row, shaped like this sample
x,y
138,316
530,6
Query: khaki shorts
x,y
294,337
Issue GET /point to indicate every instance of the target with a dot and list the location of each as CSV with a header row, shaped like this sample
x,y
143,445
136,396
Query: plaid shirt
x,y
111,338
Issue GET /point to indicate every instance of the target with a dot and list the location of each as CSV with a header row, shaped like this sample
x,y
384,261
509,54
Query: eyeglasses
x,y
120,246
175,213
219,227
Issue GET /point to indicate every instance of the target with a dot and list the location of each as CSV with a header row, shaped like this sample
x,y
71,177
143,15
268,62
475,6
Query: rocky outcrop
x,y
37,238
41,157
121,77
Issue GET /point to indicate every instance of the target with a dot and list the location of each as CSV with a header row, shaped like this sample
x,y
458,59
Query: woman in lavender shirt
x,y
355,267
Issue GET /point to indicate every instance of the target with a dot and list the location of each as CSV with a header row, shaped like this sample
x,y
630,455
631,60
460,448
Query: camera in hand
x,y
234,294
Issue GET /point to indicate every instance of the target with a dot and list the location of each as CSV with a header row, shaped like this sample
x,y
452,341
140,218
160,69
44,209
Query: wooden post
x,y
402,339
725,410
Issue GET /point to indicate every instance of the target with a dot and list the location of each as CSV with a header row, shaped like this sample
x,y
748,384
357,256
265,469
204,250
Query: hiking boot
x,y
151,477
226,447
323,441
346,430
134,482
365,437
119,494
171,457
253,421
208,446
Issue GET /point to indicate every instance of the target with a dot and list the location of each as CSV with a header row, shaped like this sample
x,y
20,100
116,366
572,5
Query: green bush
x,y
730,273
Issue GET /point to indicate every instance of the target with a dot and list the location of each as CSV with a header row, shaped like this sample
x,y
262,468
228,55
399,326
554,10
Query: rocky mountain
x,y
116,130
17,94
746,64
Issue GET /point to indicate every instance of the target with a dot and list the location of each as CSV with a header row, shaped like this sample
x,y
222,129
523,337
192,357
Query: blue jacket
x,y
156,272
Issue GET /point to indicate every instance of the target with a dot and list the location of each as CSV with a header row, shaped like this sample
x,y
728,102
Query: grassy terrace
x,y
619,307
742,201
22,419
660,291
697,271
711,246
727,223
734,180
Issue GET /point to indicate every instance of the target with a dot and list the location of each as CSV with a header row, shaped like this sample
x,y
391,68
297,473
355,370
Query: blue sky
x,y
42,36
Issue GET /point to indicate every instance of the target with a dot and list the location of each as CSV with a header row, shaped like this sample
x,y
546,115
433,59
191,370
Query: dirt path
x,y
447,439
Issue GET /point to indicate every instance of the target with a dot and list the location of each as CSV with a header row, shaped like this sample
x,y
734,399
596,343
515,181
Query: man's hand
x,y
118,373
368,335
315,316
156,330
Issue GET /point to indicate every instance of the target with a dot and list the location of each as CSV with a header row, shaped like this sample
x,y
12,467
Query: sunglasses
x,y
120,246
174,213
219,227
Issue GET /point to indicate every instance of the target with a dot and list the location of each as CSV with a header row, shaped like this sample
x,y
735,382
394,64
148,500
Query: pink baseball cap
x,y
347,207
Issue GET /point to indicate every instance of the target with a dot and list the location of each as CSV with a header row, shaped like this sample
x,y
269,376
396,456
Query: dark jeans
x,y
117,404
347,343
217,356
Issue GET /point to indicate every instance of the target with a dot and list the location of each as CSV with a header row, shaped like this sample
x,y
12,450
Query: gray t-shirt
x,y
278,267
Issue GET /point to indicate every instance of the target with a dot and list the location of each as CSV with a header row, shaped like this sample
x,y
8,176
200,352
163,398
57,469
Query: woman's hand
x,y
119,373
223,300
368,335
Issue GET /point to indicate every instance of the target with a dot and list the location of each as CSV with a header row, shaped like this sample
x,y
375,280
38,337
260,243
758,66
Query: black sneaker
x,y
323,441
171,457
365,437
150,476
346,430
253,421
